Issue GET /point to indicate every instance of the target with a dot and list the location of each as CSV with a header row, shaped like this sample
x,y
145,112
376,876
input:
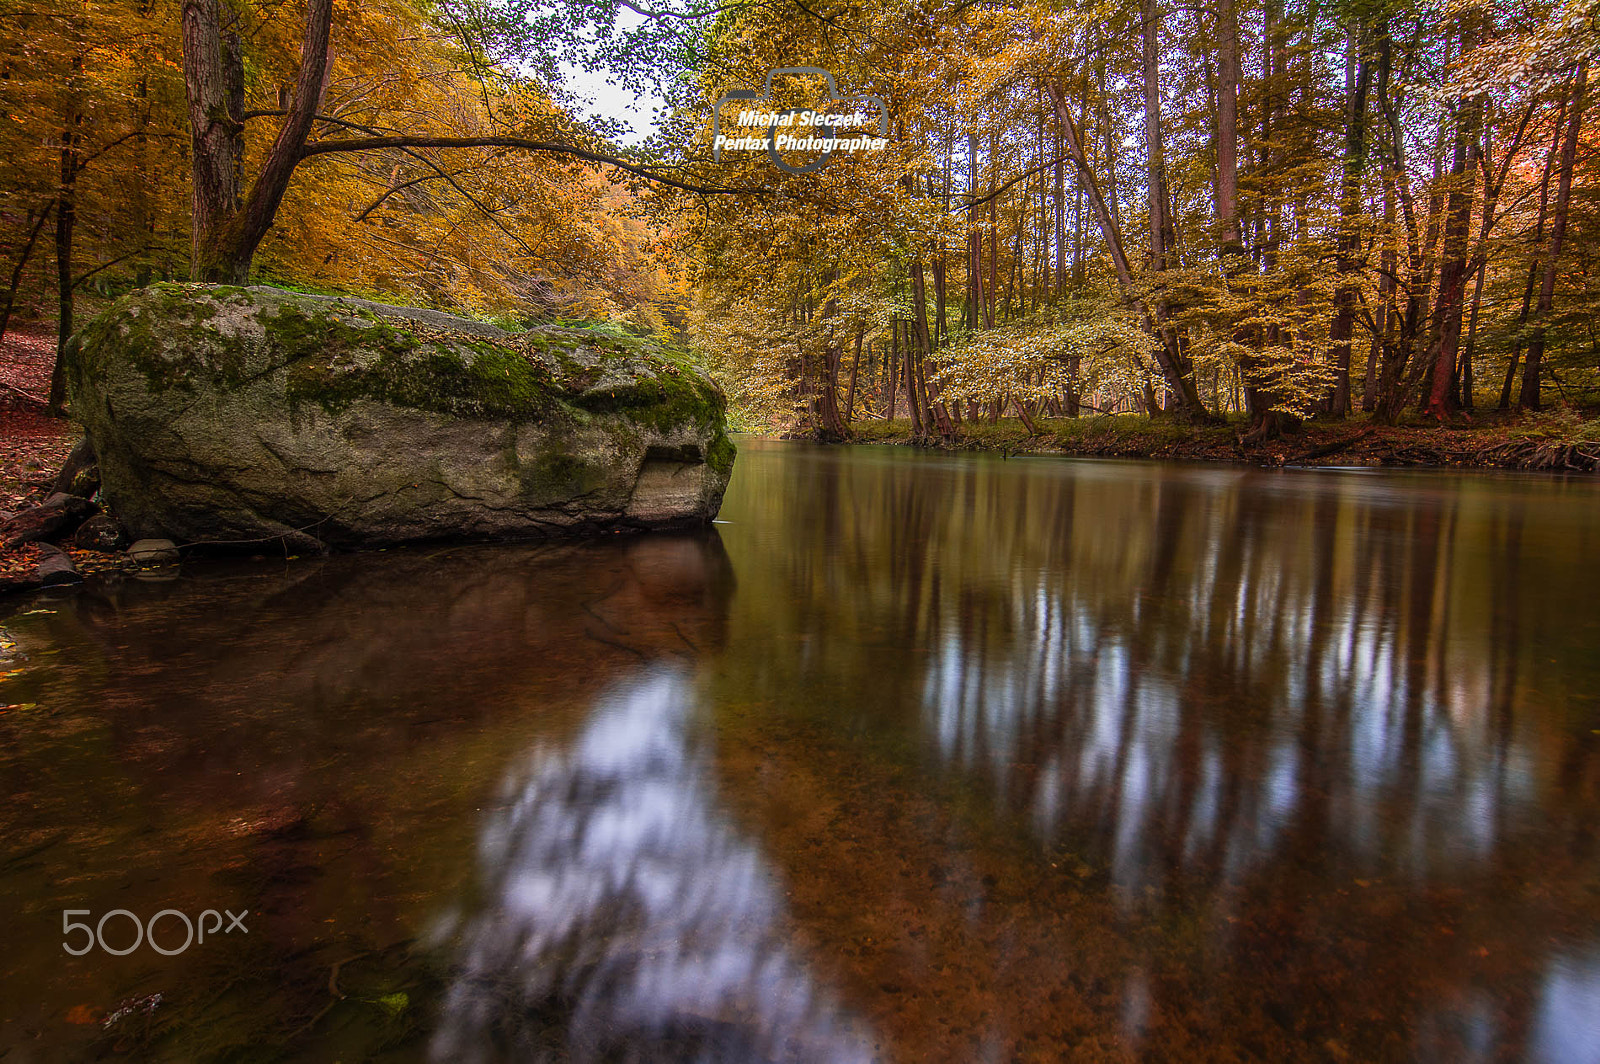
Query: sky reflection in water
x,y
627,913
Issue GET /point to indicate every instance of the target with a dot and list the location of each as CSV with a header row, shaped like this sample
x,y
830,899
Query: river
x,y
908,758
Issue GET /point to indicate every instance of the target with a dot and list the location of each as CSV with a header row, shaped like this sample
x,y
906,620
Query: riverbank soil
x,y
1559,442
33,446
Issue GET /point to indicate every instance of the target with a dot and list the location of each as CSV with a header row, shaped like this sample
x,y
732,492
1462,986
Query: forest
x,y
1242,213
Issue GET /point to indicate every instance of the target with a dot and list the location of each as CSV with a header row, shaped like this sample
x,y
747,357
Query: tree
x,y
231,217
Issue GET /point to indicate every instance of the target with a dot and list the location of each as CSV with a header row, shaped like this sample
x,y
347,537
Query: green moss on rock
x,y
233,412
720,455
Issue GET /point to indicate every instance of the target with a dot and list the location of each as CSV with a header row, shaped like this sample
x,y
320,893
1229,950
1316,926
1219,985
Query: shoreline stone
x,y
235,416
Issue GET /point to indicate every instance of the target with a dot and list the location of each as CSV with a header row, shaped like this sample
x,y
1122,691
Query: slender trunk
x,y
1042,273
1155,155
855,372
1457,230
1529,397
922,346
1479,266
1227,190
66,224
1061,219
991,285
1111,153
21,264
1182,387
891,372
974,239
1388,262
908,377
1355,157
1533,259
1467,401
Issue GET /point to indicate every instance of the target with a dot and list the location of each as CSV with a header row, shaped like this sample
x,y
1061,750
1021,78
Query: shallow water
x,y
910,758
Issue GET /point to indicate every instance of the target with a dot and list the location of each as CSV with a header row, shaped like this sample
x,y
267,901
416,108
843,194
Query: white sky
x,y
597,98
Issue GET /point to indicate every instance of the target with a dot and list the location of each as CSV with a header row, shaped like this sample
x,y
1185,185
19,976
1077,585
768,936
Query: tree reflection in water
x,y
625,919
1309,757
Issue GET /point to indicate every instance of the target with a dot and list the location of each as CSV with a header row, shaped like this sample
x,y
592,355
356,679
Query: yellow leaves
x,y
1091,346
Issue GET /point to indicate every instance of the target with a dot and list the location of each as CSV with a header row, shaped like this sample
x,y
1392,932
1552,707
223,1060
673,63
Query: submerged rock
x,y
238,415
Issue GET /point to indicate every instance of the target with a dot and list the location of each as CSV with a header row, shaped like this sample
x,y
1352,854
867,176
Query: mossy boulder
x,y
225,414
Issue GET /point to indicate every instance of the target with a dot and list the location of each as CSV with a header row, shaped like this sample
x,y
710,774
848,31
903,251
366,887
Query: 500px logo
x,y
146,932
803,129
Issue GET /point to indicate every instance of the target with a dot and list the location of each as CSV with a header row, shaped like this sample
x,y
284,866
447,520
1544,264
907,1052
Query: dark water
x,y
911,759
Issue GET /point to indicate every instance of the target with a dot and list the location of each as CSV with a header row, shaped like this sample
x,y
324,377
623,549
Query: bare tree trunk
x,y
1155,152
891,371
66,224
992,280
921,347
855,372
974,239
1227,190
1061,220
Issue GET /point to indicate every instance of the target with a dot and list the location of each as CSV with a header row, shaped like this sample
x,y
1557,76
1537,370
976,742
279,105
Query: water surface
x,y
910,758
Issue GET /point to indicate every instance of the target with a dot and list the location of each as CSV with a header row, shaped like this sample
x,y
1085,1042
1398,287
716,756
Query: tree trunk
x,y
1155,153
855,372
1355,157
21,264
66,223
1227,190
1448,309
1533,259
229,224
1182,387
1529,397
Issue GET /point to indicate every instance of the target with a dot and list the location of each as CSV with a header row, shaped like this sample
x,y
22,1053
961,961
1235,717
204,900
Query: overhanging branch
x,y
359,144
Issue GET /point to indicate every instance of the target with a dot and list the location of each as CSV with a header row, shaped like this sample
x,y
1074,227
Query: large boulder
x,y
225,414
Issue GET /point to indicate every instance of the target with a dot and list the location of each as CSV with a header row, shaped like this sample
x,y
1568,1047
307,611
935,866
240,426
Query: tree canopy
x,y
1255,207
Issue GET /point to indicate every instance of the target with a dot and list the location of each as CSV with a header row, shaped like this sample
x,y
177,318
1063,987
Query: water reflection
x,y
1568,1023
1318,748
625,919
980,761
308,741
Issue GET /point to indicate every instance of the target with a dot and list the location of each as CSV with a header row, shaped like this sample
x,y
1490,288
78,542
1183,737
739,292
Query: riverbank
x,y
1552,442
33,447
